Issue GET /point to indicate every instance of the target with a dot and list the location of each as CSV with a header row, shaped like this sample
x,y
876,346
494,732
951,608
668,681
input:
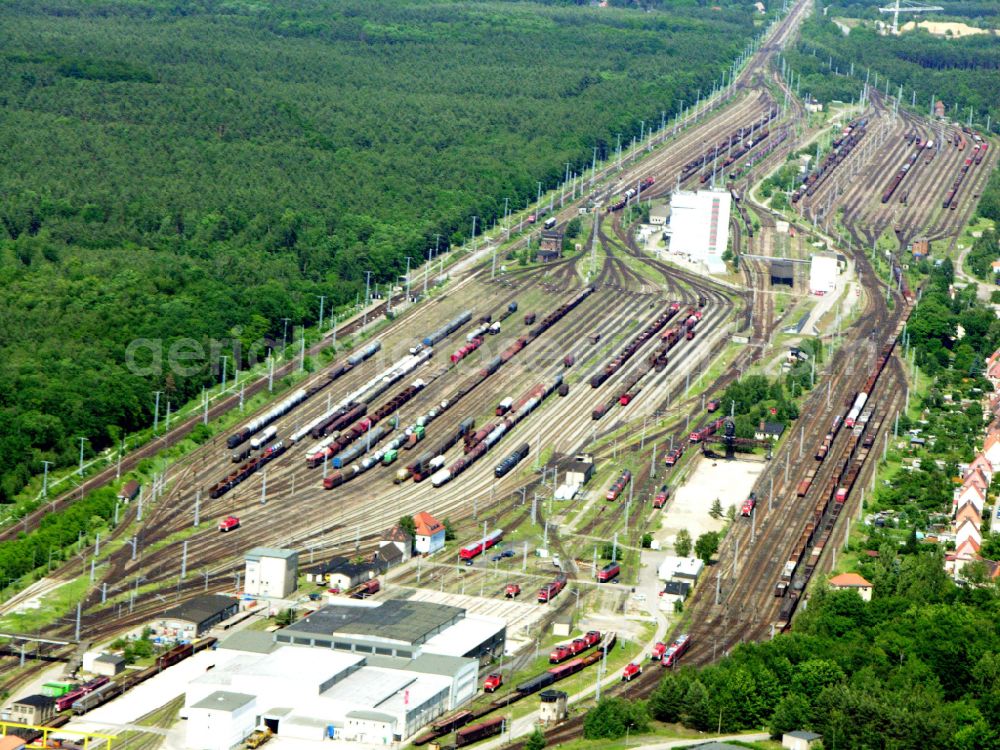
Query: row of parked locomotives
x,y
842,147
745,138
861,425
974,159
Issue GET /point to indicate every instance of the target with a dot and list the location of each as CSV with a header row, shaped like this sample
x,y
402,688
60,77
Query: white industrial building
x,y
358,672
271,572
680,569
220,720
823,272
699,226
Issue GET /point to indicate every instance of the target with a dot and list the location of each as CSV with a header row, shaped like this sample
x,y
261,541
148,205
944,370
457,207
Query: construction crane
x,y
906,6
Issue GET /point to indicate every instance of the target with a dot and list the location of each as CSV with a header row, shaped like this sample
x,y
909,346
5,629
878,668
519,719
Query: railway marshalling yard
x,y
737,334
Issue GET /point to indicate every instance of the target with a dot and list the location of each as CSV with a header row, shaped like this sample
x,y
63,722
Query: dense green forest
x,y
959,71
206,169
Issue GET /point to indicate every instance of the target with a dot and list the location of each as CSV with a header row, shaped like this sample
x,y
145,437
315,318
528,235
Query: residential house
x,y
980,464
400,538
970,493
388,556
853,582
430,533
968,512
769,431
550,246
129,491
658,215
991,449
968,540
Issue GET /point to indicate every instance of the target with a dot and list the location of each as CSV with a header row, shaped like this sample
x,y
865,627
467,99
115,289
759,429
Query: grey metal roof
x,y
252,641
111,658
372,716
200,608
398,620
258,552
442,664
221,700
803,735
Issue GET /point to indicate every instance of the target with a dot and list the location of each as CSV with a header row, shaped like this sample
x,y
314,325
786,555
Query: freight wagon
x,y
477,732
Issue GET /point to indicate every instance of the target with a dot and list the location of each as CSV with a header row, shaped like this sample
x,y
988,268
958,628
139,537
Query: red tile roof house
x,y
970,493
853,581
968,512
430,533
991,449
980,465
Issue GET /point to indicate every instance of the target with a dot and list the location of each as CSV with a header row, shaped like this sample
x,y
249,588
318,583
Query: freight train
x,y
447,329
903,171
479,442
433,460
631,193
464,717
100,690
842,148
978,152
710,155
633,346
329,421
505,466
806,552
246,470
296,398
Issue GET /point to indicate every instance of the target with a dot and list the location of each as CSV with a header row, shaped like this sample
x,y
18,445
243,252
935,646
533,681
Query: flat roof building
x,y
391,628
823,272
680,568
220,720
353,671
699,226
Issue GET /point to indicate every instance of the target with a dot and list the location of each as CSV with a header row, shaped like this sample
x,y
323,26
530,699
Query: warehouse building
x,y
358,672
699,226
271,572
823,272
191,619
